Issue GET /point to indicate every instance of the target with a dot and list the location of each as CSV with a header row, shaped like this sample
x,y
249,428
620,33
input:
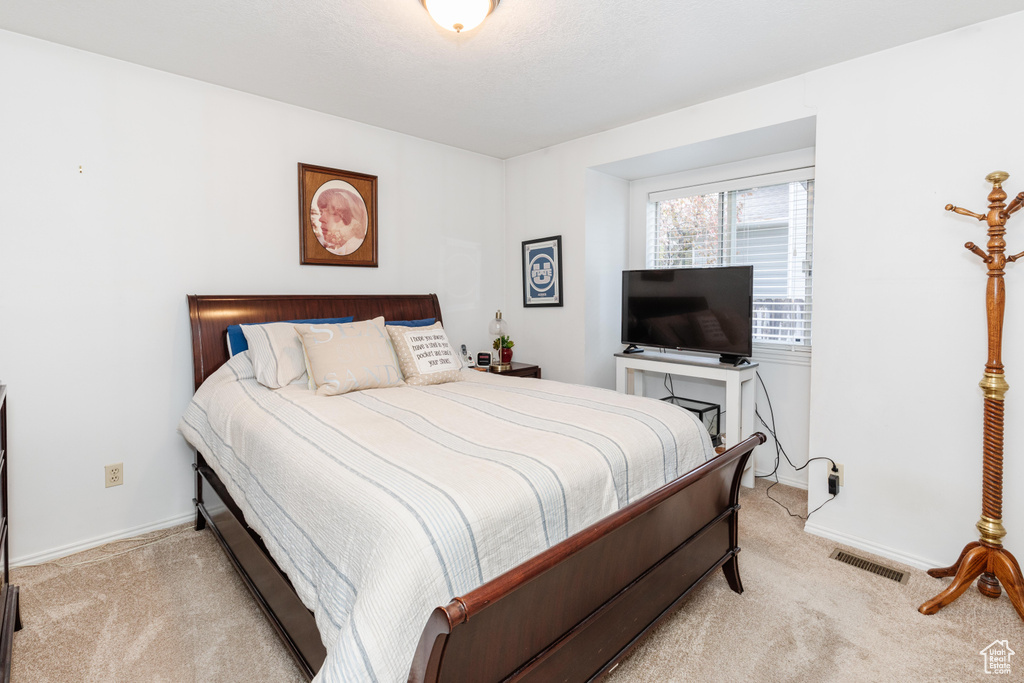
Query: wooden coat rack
x,y
986,558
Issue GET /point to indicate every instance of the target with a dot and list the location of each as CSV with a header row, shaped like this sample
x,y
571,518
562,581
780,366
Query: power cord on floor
x,y
109,555
780,453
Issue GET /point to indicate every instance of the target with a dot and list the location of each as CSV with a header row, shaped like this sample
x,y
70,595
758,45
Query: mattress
x,y
381,505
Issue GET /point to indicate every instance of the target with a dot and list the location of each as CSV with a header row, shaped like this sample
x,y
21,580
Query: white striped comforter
x,y
381,505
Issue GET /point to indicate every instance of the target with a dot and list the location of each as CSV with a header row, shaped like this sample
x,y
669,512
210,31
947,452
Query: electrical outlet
x,y
114,474
840,468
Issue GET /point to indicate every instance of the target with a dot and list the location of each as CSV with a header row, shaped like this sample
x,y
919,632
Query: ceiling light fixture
x,y
459,15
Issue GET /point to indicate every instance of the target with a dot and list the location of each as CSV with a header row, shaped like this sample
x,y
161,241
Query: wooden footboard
x,y
570,613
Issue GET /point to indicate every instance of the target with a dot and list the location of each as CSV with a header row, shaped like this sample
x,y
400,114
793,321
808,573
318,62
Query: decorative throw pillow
x,y
425,355
349,357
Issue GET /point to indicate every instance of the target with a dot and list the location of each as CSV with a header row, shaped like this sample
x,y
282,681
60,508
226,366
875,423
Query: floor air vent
x,y
869,566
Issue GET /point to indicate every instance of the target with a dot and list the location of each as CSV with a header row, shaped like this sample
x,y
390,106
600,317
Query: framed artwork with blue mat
x,y
542,272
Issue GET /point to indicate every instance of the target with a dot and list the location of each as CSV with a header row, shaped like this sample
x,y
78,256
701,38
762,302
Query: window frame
x,y
798,354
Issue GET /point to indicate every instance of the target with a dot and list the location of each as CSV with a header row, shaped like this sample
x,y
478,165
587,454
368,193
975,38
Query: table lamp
x,y
498,328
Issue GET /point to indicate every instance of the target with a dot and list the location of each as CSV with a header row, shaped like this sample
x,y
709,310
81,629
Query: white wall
x,y
899,329
898,357
606,253
185,188
549,337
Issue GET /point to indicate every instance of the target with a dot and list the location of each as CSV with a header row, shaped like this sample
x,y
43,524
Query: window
x,y
738,223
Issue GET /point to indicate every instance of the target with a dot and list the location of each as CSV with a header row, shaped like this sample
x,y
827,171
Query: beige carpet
x,y
168,607
172,610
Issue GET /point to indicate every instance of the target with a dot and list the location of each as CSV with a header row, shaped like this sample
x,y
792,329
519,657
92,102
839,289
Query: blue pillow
x,y
412,323
236,338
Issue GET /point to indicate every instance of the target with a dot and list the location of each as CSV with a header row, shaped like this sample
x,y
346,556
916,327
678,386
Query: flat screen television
x,y
691,309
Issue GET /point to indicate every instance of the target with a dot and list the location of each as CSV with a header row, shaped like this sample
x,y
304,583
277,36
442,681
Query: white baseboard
x,y
871,547
78,547
789,481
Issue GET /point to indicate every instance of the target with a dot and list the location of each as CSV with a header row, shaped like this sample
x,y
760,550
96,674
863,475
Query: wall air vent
x,y
869,566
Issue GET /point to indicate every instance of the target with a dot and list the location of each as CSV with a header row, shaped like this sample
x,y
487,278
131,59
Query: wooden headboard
x,y
211,315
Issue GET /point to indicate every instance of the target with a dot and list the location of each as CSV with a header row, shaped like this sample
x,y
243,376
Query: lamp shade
x,y
459,15
498,327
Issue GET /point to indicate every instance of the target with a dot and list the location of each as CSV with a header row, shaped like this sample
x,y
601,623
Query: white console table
x,y
738,380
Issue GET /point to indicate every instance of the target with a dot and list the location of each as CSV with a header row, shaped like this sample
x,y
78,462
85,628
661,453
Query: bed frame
x,y
568,614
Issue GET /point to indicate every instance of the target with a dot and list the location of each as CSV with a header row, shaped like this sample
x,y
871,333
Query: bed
x,y
563,604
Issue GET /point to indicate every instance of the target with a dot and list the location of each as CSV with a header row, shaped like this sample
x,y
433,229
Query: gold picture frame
x,y
337,217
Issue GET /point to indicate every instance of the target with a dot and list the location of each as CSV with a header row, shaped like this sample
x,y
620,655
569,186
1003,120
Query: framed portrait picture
x,y
337,217
542,272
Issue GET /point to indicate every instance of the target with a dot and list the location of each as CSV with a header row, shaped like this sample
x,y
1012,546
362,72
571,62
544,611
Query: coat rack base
x,y
993,564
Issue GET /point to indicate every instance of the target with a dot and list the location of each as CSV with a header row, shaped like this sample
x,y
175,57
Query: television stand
x,y
632,348
738,381
729,359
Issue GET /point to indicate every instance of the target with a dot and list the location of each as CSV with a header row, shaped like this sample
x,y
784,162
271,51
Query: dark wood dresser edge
x,y
11,622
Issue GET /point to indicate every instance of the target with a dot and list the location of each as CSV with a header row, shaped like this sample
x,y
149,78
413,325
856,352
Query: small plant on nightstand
x,y
503,345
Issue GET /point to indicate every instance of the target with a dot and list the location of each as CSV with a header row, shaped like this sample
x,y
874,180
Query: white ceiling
x,y
536,73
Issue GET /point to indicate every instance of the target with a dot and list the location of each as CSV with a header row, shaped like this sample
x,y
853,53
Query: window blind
x,y
752,221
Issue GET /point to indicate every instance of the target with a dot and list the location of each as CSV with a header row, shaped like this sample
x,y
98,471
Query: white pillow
x,y
276,353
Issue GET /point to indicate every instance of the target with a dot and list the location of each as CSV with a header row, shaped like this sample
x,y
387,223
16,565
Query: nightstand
x,y
522,370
